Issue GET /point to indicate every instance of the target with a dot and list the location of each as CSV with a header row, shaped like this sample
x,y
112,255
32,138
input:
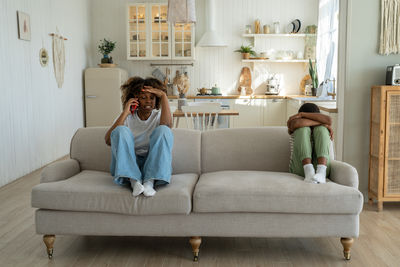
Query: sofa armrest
x,y
344,174
60,170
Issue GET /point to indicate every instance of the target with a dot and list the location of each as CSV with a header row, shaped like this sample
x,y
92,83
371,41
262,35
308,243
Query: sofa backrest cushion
x,y
186,152
90,150
258,149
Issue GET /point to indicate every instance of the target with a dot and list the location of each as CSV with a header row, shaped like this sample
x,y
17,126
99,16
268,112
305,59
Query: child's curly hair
x,y
133,86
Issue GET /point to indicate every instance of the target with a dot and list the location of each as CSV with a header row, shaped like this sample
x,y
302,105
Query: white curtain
x,y
327,40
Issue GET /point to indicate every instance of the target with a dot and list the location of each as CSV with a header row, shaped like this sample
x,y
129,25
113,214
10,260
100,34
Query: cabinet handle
x,y
91,96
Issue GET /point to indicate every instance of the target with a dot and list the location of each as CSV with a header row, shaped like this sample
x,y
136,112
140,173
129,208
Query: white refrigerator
x,y
103,95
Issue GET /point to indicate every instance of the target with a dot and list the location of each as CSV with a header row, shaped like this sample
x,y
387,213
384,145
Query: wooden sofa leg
x,y
49,242
346,243
195,242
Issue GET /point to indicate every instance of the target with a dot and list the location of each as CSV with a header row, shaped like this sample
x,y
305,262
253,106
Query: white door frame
x,y
342,81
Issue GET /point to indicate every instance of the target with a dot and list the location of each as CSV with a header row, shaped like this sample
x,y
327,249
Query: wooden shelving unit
x,y
273,35
384,155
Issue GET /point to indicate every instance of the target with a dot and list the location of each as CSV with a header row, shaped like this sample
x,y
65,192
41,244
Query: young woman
x,y
141,139
311,135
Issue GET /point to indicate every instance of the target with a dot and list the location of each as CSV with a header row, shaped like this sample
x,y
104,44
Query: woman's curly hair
x,y
133,86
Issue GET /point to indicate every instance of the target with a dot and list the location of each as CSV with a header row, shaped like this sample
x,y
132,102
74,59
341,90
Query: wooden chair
x,y
204,115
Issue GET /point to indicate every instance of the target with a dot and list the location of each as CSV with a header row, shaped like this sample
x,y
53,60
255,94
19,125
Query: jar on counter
x,y
257,26
277,27
248,29
266,29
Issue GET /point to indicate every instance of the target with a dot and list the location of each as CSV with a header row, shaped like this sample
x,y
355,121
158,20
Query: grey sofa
x,y
225,183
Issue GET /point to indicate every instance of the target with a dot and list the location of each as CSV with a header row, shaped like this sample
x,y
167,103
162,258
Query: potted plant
x,y
105,48
246,51
314,76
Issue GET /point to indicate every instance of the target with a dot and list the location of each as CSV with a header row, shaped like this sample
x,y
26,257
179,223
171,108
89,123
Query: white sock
x,y
149,188
320,175
309,173
137,188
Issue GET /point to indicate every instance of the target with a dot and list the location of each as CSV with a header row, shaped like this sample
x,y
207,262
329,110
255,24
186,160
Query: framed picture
x,y
24,26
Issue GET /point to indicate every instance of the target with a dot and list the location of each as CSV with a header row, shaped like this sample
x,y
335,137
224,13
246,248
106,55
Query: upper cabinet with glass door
x,y
137,41
183,45
151,37
159,27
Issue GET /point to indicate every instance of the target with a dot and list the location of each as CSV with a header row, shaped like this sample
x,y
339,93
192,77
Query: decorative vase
x,y
313,91
106,60
246,55
181,102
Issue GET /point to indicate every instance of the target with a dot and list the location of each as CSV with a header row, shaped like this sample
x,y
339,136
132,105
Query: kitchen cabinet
x,y
274,112
250,113
292,107
151,37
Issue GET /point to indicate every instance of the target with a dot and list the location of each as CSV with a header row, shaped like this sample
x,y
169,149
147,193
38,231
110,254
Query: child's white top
x,y
142,130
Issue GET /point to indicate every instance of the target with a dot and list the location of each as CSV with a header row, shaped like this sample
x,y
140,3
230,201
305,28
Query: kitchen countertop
x,y
237,97
328,106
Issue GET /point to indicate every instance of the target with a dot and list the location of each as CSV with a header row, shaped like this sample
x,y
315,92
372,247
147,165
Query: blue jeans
x,y
126,165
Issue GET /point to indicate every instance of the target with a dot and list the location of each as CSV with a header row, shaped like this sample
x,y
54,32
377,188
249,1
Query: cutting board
x,y
245,81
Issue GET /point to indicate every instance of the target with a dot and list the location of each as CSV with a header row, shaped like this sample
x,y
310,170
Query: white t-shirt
x,y
142,130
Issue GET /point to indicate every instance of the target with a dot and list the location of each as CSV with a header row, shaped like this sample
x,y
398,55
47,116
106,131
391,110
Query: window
x,y
327,40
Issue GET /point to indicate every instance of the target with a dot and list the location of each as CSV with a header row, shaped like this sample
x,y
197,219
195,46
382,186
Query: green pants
x,y
310,142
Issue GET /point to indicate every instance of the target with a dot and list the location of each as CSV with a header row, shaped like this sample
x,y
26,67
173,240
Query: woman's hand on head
x,y
131,102
156,92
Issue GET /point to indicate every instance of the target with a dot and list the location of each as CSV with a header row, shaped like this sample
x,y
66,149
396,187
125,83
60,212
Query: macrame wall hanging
x,y
58,57
390,27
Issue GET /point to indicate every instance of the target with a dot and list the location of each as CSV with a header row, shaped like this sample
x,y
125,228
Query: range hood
x,y
210,38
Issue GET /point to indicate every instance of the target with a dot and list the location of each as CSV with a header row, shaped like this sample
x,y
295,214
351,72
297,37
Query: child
x,y
140,138
311,135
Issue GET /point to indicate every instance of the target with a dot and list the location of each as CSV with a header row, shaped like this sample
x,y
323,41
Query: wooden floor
x,y
378,244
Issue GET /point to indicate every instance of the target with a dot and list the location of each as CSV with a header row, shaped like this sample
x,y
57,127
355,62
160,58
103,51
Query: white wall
x,y
37,118
365,67
214,65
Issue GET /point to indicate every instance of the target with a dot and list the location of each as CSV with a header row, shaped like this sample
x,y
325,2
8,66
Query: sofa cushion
x,y
95,191
90,150
261,191
254,149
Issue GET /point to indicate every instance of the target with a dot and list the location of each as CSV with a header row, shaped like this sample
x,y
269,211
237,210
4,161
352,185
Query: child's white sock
x,y
149,188
320,175
309,173
137,188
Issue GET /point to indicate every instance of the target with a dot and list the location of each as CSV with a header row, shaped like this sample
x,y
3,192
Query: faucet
x,y
333,94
